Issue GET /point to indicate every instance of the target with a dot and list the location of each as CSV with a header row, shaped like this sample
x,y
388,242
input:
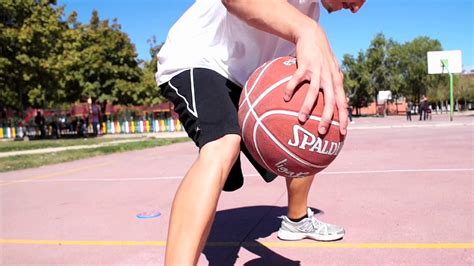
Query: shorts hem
x,y
206,138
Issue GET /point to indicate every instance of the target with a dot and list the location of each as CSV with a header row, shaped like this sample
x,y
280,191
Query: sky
x,y
449,21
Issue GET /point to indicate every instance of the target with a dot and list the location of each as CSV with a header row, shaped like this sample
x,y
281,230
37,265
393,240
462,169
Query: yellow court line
x,y
6,183
237,244
374,245
83,242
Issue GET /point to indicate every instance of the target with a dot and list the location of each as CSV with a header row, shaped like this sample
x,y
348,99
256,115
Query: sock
x,y
299,219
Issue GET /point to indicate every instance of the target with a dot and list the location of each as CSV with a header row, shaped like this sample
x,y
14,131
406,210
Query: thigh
x,y
206,104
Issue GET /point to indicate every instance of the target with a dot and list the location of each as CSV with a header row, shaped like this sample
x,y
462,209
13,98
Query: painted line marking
x,y
69,148
363,127
37,178
399,171
157,178
237,244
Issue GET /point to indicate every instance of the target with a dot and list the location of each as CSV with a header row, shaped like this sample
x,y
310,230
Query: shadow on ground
x,y
241,228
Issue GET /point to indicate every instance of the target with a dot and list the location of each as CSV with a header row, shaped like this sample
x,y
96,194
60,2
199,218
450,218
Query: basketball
x,y
270,127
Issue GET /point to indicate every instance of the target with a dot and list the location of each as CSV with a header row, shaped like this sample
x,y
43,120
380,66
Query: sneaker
x,y
309,228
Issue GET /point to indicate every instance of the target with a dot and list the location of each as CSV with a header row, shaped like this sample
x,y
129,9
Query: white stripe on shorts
x,y
193,111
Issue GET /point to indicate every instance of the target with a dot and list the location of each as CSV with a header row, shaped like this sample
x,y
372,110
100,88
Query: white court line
x,y
365,127
157,178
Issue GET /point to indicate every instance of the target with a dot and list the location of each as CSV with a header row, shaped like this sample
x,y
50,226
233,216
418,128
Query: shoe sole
x,y
290,236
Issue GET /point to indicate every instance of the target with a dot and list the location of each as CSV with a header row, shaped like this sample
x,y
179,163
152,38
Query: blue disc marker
x,y
147,215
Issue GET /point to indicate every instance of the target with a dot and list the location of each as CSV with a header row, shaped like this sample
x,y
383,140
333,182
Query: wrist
x,y
304,29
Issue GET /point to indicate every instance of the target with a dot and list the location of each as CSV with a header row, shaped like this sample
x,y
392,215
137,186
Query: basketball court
x,y
402,190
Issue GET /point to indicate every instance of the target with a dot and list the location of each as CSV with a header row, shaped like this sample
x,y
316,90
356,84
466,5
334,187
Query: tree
x,y
28,73
415,66
376,57
395,79
148,93
108,67
72,59
400,68
356,80
47,62
464,89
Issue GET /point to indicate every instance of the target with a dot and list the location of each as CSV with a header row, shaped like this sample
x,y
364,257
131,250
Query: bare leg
x,y
195,202
298,189
309,227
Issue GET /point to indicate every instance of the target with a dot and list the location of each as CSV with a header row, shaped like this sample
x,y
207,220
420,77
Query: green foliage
x,y
376,57
402,69
414,62
356,80
28,72
149,93
47,61
464,87
102,63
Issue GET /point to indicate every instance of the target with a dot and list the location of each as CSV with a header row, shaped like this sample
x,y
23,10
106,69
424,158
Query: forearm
x,y
274,16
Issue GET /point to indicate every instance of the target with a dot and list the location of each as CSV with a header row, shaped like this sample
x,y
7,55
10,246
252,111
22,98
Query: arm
x,y
281,19
316,62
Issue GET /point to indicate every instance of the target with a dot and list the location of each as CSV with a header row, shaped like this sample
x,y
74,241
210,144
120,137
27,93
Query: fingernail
x,y
322,130
286,97
302,117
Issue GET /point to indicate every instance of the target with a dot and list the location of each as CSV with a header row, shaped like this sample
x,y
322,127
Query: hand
x,y
318,65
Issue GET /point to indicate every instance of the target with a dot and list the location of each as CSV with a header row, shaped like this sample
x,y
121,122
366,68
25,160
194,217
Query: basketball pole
x,y
444,63
451,96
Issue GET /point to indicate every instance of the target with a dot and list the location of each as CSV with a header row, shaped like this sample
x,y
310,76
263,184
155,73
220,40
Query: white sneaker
x,y
309,228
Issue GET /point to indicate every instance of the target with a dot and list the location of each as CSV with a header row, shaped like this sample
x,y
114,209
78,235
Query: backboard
x,y
383,96
444,62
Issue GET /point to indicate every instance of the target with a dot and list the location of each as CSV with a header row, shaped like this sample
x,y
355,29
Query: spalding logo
x,y
305,140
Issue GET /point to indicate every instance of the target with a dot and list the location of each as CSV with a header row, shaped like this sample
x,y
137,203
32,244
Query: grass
x,y
8,146
12,163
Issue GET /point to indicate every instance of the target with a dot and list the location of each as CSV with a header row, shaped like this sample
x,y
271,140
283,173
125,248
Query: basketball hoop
x,y
446,62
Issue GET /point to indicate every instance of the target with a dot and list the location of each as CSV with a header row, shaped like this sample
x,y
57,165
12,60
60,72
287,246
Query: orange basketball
x,y
270,127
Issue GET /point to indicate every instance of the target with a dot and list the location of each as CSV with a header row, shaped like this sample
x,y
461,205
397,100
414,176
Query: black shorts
x,y
207,105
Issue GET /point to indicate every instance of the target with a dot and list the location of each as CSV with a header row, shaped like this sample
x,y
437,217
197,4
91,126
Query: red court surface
x,y
402,190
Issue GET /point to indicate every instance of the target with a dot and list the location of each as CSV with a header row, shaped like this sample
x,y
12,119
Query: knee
x,y
224,150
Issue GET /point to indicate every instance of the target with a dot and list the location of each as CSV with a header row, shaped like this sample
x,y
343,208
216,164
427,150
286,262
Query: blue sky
x,y
449,21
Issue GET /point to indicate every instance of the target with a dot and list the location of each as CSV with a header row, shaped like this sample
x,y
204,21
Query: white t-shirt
x,y
208,36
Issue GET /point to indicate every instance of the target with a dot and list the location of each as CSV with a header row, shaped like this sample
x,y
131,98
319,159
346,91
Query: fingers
x,y
328,110
311,96
310,99
327,78
340,98
343,113
318,65
296,79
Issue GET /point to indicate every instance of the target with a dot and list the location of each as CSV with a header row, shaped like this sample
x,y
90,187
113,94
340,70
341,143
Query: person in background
x,y
349,110
40,122
422,107
95,113
409,106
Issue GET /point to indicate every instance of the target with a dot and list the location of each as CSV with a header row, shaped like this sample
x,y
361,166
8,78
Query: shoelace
x,y
319,226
